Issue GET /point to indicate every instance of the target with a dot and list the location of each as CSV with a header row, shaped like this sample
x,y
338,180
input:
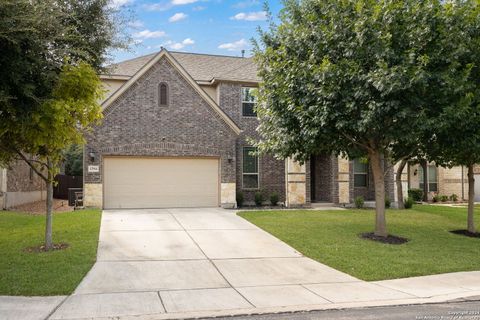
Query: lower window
x,y
250,168
432,178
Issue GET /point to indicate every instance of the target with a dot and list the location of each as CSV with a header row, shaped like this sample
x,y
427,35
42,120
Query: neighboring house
x,y
176,132
443,181
20,185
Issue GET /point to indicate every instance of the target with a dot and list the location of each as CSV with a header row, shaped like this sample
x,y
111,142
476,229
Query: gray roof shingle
x,y
202,67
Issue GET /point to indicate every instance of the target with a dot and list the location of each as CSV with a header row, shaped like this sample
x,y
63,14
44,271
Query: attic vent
x,y
162,94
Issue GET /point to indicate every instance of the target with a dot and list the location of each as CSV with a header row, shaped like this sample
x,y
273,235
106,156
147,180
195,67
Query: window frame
x,y
167,95
429,183
363,173
250,173
243,102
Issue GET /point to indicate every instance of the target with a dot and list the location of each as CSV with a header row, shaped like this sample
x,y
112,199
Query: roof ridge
x,y
132,59
209,54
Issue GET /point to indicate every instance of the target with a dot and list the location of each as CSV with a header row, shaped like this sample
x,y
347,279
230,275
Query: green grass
x,y
331,237
47,273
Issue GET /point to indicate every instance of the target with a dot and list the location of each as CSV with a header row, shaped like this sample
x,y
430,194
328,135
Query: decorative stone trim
x,y
296,188
228,195
93,195
343,180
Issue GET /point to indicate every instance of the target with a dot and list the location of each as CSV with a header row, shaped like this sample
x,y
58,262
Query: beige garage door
x,y
160,182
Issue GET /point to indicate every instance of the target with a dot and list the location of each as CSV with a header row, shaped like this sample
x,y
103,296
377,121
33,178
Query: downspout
x,y
463,186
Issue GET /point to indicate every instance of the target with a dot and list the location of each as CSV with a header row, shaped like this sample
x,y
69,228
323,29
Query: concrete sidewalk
x,y
178,263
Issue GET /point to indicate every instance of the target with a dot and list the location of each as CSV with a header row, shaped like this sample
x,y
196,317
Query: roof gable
x,y
184,74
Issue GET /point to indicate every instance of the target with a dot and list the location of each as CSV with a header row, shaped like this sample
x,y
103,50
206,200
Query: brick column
x,y
295,181
343,181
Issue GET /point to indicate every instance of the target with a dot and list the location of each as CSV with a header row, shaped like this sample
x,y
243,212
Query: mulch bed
x,y
390,239
38,207
38,249
466,233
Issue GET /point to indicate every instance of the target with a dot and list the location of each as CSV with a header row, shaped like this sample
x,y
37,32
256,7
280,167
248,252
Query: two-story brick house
x,y
176,133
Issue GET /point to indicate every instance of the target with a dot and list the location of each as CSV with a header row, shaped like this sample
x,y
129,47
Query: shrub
x,y
259,198
444,198
454,197
415,194
240,199
359,202
436,198
274,199
388,203
408,203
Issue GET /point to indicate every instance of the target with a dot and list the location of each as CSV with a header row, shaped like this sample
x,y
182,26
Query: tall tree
x,y
457,138
349,78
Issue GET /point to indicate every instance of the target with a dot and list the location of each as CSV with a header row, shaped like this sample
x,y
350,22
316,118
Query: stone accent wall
x,y
228,195
450,181
271,170
95,195
135,125
343,180
295,184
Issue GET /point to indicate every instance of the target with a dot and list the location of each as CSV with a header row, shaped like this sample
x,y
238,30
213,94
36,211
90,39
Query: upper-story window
x,y
163,94
360,173
249,101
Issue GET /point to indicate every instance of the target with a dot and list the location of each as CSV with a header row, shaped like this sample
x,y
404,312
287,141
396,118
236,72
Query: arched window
x,y
162,94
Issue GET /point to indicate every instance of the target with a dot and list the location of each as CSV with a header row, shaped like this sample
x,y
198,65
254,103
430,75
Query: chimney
x,y
243,53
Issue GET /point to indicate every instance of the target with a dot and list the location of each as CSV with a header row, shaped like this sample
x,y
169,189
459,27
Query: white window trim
x,y
365,173
242,102
420,176
252,174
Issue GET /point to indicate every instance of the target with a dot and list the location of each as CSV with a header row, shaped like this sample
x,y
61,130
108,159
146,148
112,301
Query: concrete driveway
x,y
183,262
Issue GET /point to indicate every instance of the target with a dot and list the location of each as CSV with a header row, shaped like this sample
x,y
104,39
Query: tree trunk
x,y
398,181
425,180
49,217
471,200
379,182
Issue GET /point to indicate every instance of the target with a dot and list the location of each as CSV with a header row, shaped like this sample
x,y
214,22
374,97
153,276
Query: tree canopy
x,y
353,78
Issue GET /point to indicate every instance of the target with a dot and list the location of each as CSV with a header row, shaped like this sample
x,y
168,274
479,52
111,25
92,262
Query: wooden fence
x,y
64,182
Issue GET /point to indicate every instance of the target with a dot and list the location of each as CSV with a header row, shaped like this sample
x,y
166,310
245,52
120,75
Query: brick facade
x,y
271,170
368,192
135,125
324,178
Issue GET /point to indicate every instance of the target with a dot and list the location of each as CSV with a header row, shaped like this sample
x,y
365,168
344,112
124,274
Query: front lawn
x,y
51,273
331,237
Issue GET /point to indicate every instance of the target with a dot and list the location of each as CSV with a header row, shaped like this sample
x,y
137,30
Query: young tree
x,y
47,49
63,121
349,78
